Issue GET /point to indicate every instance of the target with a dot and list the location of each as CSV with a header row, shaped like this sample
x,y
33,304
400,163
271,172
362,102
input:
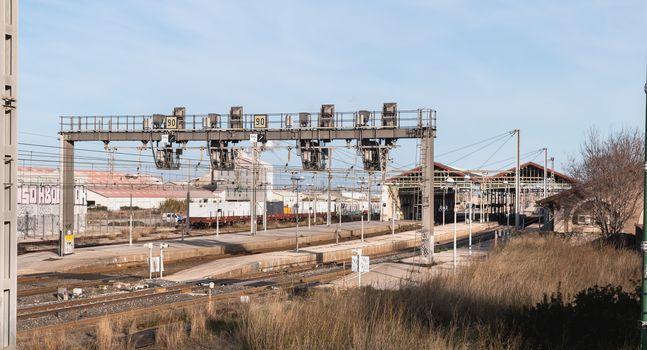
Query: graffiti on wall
x,y
47,194
38,209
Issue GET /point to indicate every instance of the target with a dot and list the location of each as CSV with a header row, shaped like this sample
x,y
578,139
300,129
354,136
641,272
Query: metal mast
x,y
517,184
643,299
8,145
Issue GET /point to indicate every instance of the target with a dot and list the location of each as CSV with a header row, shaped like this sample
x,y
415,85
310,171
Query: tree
x,y
173,206
612,169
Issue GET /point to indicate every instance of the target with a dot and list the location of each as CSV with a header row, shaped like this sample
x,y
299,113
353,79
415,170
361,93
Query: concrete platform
x,y
411,270
375,246
231,243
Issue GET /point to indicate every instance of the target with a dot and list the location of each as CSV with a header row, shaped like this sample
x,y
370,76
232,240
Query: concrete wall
x,y
38,207
114,204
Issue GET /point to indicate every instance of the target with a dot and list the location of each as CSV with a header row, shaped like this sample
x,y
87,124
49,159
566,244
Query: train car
x,y
206,214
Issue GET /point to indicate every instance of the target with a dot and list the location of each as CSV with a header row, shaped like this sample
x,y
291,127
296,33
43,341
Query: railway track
x,y
259,284
50,282
87,323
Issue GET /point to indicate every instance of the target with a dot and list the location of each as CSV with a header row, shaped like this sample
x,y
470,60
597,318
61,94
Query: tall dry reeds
x,y
469,309
482,306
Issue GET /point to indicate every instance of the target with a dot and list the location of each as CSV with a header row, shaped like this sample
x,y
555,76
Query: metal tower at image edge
x,y
9,142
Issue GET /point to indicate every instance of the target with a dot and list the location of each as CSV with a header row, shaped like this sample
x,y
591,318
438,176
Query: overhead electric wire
x,y
478,149
495,152
474,144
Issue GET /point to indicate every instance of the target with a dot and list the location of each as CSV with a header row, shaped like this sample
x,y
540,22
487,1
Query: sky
x,y
549,68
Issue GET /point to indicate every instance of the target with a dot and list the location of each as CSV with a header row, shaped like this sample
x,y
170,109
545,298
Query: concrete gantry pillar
x,y
8,173
67,187
428,189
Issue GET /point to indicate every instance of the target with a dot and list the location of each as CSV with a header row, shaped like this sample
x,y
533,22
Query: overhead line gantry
x,y
375,133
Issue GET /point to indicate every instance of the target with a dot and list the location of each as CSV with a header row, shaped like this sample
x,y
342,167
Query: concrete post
x,y
67,188
328,216
8,148
428,189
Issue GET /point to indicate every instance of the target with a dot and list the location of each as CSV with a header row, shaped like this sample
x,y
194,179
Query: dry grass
x,y
467,310
47,341
171,336
105,335
472,309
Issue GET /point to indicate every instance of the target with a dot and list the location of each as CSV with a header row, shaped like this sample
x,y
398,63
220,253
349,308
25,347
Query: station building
x,y
491,196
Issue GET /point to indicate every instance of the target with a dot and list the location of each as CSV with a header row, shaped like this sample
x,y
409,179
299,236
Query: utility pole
x,y
470,218
517,184
296,179
329,215
382,186
252,207
643,299
545,172
265,184
361,212
393,217
188,201
454,257
369,196
130,235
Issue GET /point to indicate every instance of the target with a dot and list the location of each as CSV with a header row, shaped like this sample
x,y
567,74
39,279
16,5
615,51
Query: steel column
x,y
517,184
643,298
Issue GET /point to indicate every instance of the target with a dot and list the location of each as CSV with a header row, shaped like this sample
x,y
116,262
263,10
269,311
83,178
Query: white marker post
x,y
161,264
359,264
150,259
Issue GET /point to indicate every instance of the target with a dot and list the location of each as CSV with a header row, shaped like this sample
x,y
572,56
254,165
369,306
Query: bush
x,y
596,318
134,207
173,206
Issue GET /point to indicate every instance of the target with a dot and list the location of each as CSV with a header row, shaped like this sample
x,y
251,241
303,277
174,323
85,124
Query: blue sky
x,y
549,68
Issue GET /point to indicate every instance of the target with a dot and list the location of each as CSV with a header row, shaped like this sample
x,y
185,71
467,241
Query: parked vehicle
x,y
172,218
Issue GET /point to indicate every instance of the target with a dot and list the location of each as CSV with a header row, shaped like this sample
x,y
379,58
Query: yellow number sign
x,y
260,121
171,122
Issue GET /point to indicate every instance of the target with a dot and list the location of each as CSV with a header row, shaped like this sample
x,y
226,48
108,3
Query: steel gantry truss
x,y
375,132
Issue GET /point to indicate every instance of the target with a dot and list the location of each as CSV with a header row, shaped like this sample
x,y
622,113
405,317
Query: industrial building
x,y
238,181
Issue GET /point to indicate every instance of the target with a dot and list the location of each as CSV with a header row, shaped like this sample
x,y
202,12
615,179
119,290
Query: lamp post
x,y
450,184
295,177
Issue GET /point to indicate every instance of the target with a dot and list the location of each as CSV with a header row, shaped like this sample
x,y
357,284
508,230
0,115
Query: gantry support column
x,y
67,189
8,179
428,190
